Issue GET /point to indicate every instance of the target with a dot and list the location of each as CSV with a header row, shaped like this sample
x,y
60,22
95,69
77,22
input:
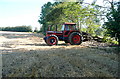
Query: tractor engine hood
x,y
50,32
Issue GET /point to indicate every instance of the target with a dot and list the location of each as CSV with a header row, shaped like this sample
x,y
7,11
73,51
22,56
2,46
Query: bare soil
x,y
27,55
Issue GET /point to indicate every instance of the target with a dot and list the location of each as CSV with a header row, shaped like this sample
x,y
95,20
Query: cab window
x,y
63,26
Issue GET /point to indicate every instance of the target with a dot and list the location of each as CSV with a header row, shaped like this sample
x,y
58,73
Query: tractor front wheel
x,y
75,38
52,40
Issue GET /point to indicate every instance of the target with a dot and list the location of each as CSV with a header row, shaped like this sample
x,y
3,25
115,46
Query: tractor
x,y
69,34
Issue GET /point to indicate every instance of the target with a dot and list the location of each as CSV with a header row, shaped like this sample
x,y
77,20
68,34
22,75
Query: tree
x,y
23,28
75,12
46,9
113,21
70,12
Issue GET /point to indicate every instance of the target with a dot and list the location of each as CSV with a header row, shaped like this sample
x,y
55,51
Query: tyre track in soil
x,y
26,55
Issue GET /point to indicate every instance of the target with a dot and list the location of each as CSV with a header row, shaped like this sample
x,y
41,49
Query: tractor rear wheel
x,y
75,38
52,40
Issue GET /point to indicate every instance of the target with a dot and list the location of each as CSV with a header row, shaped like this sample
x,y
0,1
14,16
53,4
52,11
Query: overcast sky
x,y
22,12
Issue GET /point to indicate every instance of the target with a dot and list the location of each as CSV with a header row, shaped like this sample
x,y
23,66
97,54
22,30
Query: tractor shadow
x,y
36,44
44,44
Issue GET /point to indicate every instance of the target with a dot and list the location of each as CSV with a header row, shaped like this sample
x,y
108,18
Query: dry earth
x,y
27,55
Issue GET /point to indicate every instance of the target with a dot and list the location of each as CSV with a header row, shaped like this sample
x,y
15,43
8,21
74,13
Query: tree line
x,y
17,29
90,17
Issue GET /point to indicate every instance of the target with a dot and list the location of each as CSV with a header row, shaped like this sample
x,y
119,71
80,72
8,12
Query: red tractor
x,y
69,33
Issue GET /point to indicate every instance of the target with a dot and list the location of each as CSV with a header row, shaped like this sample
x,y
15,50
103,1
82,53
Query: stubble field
x,y
27,55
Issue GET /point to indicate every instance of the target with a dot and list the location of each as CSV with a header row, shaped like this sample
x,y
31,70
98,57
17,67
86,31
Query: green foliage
x,y
109,40
60,12
113,23
100,32
115,42
18,29
46,9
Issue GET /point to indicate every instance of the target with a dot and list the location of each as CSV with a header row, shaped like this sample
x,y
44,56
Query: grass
x,y
79,62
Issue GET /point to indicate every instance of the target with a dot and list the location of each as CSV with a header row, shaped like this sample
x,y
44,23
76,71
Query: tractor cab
x,y
69,26
68,30
65,29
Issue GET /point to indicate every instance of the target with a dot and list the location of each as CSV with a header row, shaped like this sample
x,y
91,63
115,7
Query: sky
x,y
20,12
23,12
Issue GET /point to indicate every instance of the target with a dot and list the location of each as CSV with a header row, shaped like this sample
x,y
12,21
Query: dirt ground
x,y
27,55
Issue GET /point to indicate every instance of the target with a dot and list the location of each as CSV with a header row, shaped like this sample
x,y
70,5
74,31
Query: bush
x,y
0,28
109,40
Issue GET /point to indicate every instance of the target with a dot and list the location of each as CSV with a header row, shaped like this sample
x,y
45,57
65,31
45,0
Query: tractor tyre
x,y
75,38
52,40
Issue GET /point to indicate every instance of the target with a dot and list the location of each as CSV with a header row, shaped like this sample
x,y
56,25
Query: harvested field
x,y
27,55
